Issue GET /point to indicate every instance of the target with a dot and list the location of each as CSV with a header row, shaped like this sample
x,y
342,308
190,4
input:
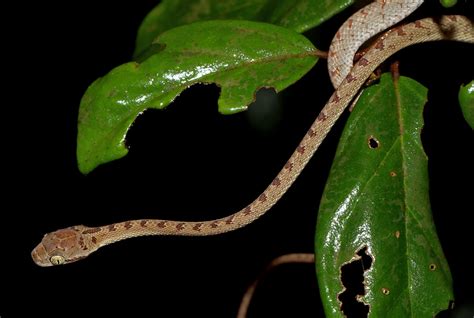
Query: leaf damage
x,y
239,56
352,279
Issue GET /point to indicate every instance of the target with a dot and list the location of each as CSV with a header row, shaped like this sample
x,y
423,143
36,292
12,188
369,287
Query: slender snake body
x,y
361,26
77,242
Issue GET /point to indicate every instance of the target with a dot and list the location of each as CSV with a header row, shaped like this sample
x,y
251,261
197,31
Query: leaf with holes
x,y
466,100
239,56
375,212
298,15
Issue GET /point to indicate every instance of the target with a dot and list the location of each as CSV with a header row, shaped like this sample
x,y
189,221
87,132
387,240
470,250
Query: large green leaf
x,y
299,15
466,100
239,56
377,198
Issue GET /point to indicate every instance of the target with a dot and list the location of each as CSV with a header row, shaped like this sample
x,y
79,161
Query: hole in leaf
x,y
432,267
352,277
373,142
266,112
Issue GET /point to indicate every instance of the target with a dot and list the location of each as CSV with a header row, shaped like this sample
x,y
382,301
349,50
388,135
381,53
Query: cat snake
x,y
77,242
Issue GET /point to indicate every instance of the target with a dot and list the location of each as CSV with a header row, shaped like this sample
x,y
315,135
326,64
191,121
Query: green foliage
x,y
448,3
377,195
466,100
377,198
239,56
298,15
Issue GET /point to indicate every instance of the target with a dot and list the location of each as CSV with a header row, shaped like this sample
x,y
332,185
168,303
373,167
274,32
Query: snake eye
x,y
57,260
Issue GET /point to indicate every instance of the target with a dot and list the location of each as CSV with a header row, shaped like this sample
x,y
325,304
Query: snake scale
x,y
77,242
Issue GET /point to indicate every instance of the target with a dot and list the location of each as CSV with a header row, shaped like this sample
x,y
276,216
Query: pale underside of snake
x,y
77,242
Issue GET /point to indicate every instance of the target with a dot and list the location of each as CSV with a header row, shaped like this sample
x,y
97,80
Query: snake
x,y
295,258
77,242
361,26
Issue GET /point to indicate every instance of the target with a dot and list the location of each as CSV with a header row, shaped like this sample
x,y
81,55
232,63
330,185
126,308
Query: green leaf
x,y
239,56
377,198
466,100
448,3
299,15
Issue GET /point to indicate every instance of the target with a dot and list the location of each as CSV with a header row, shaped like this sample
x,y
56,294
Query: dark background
x,y
187,163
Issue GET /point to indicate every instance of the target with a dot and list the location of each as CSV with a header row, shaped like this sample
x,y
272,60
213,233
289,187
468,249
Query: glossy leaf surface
x,y
377,198
298,15
466,100
239,56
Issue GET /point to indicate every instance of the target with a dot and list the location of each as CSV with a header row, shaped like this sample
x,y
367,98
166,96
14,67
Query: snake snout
x,y
40,256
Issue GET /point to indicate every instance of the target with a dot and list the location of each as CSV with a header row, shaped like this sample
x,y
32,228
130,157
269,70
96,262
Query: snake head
x,y
61,247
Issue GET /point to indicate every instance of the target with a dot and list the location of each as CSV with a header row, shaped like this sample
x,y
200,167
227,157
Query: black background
x,y
187,163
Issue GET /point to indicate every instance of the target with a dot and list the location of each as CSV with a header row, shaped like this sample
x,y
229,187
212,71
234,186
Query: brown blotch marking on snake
x,y
289,166
334,99
338,35
180,226
111,227
127,225
401,32
322,116
214,224
363,61
94,240
161,224
262,197
92,230
247,210
380,45
230,220
81,244
349,23
197,227
312,132
143,223
276,182
364,12
419,25
350,78
301,149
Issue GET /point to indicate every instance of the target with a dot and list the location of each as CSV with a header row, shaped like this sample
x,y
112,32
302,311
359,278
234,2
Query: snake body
x,y
361,26
77,242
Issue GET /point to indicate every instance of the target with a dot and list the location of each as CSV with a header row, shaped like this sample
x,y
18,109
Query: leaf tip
x,y
90,155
